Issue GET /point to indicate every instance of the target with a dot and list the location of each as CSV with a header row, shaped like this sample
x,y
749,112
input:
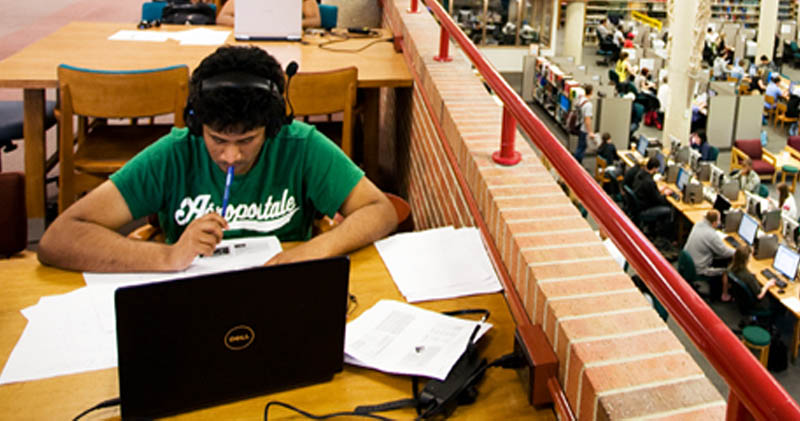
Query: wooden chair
x,y
600,171
764,162
319,93
744,89
769,113
94,96
780,116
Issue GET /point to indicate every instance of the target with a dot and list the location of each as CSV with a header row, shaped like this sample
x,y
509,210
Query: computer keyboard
x,y
675,196
630,156
733,242
771,275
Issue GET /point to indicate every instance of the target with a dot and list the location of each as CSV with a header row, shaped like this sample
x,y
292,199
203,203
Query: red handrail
x,y
764,397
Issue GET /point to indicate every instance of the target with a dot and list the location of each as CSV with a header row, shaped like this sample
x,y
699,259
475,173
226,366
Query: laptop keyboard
x,y
630,156
733,242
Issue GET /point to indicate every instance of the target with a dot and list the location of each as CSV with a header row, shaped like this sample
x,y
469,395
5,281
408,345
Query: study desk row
x,y
501,393
694,213
86,44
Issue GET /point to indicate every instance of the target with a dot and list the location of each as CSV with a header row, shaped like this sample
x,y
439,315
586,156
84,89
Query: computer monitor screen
x,y
662,162
722,204
748,229
717,177
564,102
641,147
786,261
683,179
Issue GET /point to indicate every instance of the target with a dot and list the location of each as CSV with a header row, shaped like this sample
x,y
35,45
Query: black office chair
x,y
644,218
613,77
746,301
688,271
11,119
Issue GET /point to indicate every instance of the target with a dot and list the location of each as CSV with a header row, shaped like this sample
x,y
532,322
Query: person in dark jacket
x,y
645,188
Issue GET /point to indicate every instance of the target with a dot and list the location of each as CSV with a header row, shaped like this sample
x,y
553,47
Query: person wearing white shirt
x,y
788,204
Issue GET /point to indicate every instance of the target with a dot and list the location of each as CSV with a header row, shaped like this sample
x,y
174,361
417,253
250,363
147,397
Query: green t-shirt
x,y
299,175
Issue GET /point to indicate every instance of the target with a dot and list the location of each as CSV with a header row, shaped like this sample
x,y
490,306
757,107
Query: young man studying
x,y
284,174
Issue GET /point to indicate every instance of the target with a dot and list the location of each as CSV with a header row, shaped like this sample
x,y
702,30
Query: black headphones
x,y
237,80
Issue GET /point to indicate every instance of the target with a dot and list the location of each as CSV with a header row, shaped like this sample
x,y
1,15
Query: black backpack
x,y
181,13
778,355
574,117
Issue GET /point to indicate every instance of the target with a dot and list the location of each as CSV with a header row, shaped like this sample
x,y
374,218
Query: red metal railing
x,y
753,390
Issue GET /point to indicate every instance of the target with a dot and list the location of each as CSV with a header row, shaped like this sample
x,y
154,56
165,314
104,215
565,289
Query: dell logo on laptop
x,y
239,337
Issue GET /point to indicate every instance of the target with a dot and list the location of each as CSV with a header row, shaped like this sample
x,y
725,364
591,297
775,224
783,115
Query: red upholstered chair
x,y
763,161
793,146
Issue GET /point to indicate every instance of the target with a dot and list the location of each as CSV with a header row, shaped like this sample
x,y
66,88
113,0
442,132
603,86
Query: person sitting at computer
x,y
786,201
236,124
699,142
738,268
793,108
608,151
710,254
748,179
774,91
646,189
311,16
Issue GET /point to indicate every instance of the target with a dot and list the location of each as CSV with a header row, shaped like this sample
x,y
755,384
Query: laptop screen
x,y
786,261
748,229
196,342
722,204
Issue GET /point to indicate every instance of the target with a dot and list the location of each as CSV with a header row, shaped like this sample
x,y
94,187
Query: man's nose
x,y
231,154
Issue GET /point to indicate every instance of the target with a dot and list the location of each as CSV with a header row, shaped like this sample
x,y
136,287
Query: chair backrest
x,y
780,109
686,266
315,93
599,168
741,294
613,76
631,201
328,14
793,142
124,94
763,191
152,10
713,153
751,147
405,222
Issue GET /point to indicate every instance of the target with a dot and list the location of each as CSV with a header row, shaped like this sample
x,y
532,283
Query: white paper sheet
x,y
255,252
792,303
66,334
439,263
399,338
197,36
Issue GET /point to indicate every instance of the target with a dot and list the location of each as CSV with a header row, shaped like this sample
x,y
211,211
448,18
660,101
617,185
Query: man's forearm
x,y
85,246
362,227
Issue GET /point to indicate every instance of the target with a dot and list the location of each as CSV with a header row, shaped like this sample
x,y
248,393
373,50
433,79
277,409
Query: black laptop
x,y
196,342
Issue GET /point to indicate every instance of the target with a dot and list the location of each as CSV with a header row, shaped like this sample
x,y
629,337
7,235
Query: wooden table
x,y
86,44
501,394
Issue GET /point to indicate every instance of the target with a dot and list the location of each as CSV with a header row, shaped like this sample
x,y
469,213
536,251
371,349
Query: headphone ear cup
x,y
190,119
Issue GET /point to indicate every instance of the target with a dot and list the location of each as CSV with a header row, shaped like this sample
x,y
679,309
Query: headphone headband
x,y
239,80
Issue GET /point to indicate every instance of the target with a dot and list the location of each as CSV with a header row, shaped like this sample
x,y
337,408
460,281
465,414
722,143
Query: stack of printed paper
x,y
439,263
399,338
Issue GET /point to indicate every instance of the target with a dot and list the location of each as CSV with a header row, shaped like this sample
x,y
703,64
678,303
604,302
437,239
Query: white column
x,y
767,22
678,114
573,30
554,26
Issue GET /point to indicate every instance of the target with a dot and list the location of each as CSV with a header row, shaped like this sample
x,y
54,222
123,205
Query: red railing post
x,y
507,155
736,411
414,6
444,46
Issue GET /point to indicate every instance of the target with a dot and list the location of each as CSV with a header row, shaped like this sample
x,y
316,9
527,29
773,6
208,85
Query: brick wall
x,y
617,359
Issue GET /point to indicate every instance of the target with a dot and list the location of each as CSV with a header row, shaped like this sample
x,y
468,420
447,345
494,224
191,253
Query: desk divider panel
x,y
748,123
721,120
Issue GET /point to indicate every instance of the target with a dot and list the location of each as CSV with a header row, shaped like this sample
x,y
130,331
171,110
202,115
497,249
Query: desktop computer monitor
x,y
752,204
683,154
683,179
694,159
789,231
662,162
748,229
564,102
641,147
674,145
717,177
722,204
786,261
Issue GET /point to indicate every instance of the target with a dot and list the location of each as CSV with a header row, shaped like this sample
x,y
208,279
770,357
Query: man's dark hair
x,y
653,163
238,109
764,57
588,89
701,134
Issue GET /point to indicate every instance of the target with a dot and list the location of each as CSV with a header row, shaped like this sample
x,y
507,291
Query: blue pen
x,y
226,195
